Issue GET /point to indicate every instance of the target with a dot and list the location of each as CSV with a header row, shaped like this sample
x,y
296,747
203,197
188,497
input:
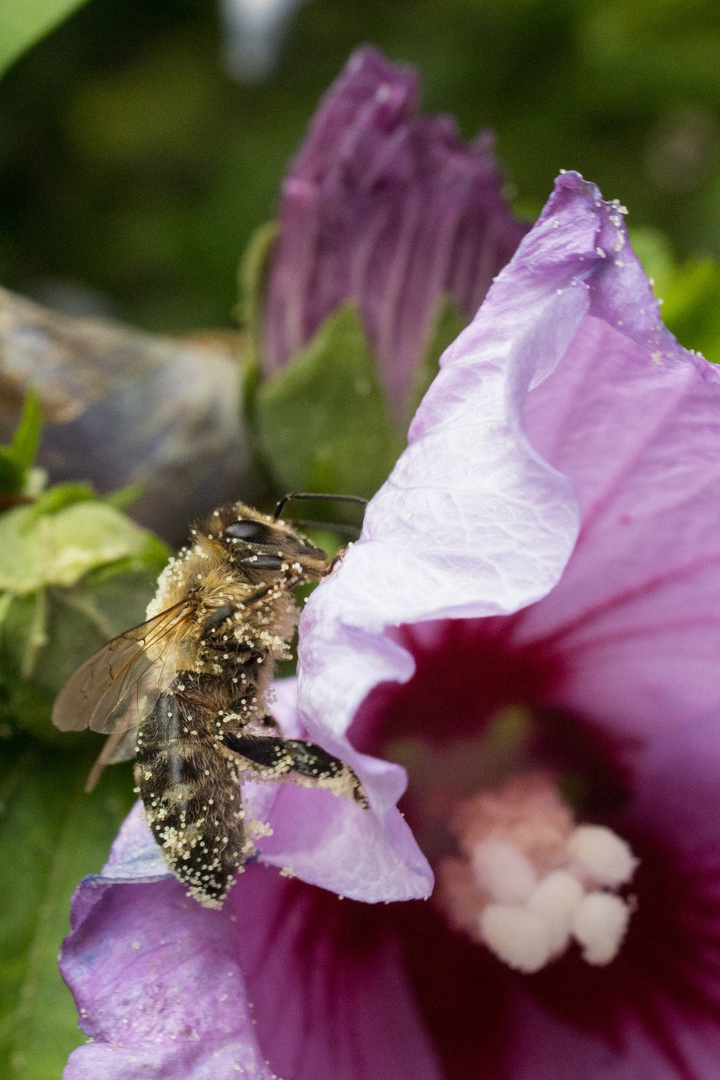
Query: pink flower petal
x,y
326,979
472,521
368,855
634,420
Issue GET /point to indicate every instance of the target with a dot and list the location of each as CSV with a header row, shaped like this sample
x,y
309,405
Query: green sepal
x,y
51,835
448,323
323,422
11,475
27,436
252,275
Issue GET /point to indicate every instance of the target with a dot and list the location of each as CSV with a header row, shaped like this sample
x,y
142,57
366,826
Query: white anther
x,y
599,925
556,899
503,871
519,937
603,857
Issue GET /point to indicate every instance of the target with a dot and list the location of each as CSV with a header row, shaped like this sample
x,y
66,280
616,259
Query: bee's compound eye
x,y
252,532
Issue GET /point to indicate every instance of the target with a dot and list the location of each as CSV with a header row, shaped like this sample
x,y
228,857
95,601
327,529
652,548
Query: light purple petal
x,y
387,208
368,855
328,986
473,523
278,982
157,986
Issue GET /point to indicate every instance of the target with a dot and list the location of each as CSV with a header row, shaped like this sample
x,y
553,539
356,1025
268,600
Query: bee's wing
x,y
114,689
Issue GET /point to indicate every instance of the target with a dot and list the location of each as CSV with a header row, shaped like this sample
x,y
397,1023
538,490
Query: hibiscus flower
x,y
531,622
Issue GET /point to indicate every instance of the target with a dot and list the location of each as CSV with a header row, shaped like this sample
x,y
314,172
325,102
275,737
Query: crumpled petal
x,y
472,521
277,983
390,209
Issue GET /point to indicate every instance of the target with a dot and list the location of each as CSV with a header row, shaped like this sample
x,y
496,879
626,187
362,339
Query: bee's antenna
x,y
327,526
312,495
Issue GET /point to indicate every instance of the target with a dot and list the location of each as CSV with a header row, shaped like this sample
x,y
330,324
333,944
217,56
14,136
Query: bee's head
x,y
256,542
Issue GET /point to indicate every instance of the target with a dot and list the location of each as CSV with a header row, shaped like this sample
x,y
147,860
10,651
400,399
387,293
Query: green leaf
x,y
11,475
323,422
26,438
48,634
51,835
689,291
23,22
124,497
61,495
16,460
449,321
59,548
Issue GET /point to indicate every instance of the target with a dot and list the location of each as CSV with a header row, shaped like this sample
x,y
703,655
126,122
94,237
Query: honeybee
x,y
186,693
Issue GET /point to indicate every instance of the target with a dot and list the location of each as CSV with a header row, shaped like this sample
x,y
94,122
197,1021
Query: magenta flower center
x,y
503,804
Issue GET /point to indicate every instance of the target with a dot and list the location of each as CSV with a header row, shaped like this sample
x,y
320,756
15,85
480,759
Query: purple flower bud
x,y
389,209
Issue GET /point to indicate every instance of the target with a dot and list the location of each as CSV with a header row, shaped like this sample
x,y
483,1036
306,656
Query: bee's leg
x,y
276,759
324,770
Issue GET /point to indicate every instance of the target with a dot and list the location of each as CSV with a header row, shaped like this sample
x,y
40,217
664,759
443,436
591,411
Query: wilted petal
x,y
387,208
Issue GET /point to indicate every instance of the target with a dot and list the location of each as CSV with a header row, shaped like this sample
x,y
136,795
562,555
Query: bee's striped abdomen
x,y
191,796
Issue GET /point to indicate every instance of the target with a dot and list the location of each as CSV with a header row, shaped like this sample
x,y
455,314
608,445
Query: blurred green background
x,y
133,171
133,165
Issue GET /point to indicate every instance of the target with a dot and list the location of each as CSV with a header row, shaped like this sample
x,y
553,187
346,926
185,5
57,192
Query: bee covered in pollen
x,y
186,693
